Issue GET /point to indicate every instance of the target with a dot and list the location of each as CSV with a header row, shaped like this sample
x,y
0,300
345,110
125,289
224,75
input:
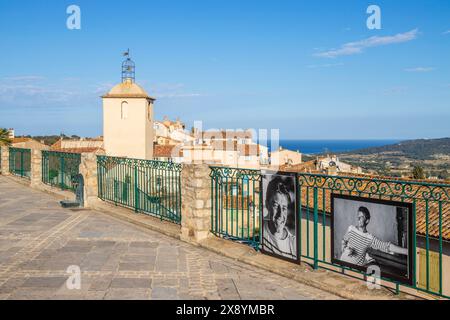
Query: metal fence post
x,y
136,189
316,235
100,180
61,160
21,163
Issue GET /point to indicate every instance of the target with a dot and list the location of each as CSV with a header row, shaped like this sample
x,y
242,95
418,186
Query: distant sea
x,y
332,146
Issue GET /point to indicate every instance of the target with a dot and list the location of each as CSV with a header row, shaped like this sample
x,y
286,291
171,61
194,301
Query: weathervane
x,y
128,68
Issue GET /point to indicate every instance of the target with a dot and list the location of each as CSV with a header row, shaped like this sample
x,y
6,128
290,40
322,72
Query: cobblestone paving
x,y
39,241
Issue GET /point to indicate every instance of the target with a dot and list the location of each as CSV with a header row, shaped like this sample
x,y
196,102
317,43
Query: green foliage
x,y
443,175
49,140
53,174
4,137
418,173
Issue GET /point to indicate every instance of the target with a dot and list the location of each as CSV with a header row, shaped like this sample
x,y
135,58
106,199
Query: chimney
x,y
332,171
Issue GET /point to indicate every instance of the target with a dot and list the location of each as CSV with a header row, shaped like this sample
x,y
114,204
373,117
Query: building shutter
x,y
433,270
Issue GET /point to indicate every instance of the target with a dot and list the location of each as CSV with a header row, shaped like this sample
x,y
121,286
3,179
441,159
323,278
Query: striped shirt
x,y
357,243
286,247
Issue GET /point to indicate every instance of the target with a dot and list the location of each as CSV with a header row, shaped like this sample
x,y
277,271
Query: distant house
x,y
282,157
332,164
79,146
328,165
165,141
171,153
231,136
235,155
28,143
170,132
228,148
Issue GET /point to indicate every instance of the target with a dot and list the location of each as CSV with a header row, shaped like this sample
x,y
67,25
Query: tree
x,y
418,173
4,137
443,175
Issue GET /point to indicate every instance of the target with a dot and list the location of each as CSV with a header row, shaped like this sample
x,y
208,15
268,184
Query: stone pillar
x,y
195,202
88,169
36,168
4,161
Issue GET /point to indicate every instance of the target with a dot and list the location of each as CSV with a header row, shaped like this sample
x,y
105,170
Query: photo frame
x,y
279,219
373,232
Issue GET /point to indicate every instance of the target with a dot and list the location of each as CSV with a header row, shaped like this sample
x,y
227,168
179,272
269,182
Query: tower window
x,y
124,110
149,112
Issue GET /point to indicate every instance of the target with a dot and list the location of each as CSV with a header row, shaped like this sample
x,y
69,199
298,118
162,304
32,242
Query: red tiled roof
x,y
244,149
20,140
231,134
309,166
78,150
165,151
58,146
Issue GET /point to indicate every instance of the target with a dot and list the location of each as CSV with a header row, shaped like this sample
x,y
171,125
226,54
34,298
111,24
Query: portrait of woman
x,y
279,222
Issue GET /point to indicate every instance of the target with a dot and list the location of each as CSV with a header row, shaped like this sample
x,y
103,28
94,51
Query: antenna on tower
x,y
128,68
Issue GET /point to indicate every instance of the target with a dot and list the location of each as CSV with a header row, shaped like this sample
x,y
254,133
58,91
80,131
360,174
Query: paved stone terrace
x,y
39,240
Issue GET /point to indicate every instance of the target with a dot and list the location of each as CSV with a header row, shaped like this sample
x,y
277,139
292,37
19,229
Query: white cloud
x,y
20,91
420,69
357,47
24,78
326,65
171,90
395,90
157,90
103,88
178,95
446,32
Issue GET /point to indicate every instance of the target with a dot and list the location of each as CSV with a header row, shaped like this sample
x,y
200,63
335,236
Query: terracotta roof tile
x,y
20,140
79,150
231,134
165,151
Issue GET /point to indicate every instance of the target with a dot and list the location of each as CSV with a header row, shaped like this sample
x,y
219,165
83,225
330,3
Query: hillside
x,y
433,155
422,149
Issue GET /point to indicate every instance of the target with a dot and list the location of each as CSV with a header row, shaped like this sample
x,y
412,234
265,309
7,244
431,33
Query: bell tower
x,y
128,117
128,68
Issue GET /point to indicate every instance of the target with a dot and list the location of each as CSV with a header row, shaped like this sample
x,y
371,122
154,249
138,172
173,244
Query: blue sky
x,y
309,68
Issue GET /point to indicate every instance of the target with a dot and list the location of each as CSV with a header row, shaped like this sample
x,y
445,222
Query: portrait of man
x,y
279,230
371,232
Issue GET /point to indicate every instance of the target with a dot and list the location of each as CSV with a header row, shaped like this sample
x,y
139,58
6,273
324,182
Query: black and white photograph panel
x,y
372,232
279,230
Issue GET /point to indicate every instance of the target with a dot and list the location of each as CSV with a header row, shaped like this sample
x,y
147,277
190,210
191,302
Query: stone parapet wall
x,y
88,169
36,168
4,160
196,202
195,191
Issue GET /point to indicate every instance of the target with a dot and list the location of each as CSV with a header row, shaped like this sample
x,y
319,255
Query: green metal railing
x,y
147,186
236,204
431,218
20,162
60,168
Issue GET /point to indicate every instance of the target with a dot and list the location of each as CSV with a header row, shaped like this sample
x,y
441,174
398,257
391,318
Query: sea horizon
x,y
319,146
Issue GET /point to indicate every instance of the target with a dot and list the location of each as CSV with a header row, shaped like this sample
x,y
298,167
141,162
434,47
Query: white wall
x,y
131,137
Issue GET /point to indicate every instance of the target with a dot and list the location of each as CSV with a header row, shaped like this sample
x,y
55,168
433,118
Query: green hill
x,y
421,149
